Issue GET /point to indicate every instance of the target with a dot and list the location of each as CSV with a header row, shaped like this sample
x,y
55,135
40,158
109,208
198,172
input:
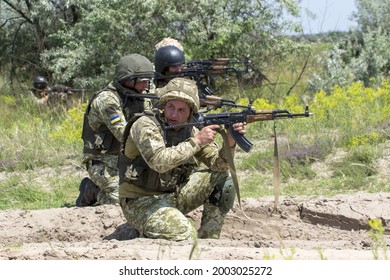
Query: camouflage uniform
x,y
39,96
104,123
106,110
160,182
61,96
168,41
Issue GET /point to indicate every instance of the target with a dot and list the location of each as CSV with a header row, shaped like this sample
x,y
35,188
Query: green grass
x,y
346,137
21,192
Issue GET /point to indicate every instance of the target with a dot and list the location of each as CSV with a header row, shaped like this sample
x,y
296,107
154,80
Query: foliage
x,y
19,192
363,55
353,118
78,43
355,107
379,241
70,129
372,15
27,142
358,164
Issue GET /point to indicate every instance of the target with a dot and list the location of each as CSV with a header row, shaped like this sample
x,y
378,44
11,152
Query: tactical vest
x,y
137,172
103,141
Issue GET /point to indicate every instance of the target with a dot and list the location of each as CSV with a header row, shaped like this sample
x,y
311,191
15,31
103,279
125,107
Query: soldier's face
x,y
176,69
138,86
176,112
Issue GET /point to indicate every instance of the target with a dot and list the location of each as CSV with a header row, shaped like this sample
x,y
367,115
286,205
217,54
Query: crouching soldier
x,y
159,180
104,123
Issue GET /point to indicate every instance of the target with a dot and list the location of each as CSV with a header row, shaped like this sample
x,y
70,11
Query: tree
x,y
26,27
82,43
364,55
373,15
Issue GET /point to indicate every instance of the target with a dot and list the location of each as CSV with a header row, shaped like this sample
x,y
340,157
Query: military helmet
x,y
40,82
168,41
134,66
183,89
167,56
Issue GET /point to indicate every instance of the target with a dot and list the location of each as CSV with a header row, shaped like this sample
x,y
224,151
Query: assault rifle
x,y
205,100
248,115
203,72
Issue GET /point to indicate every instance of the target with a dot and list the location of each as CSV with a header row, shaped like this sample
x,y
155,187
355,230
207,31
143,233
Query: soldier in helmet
x,y
40,90
54,97
159,180
167,60
105,119
62,96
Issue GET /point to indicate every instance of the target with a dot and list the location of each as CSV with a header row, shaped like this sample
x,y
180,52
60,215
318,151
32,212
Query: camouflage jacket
x,y
107,114
146,140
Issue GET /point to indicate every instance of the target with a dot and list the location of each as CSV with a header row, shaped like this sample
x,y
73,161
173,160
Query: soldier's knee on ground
x,y
169,223
223,195
107,198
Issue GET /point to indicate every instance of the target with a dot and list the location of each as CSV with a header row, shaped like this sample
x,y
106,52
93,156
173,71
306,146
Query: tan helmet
x,y
183,89
168,41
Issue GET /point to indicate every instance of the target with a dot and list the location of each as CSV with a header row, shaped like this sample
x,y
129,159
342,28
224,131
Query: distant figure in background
x,y
57,96
40,91
62,96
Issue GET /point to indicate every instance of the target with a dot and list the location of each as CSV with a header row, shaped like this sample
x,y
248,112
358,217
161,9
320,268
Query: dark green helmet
x,y
40,82
134,66
168,56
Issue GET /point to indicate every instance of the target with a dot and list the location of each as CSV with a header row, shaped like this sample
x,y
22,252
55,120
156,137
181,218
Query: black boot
x,y
88,193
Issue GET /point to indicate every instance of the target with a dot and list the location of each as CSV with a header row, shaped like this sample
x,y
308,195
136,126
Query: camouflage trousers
x,y
105,175
163,216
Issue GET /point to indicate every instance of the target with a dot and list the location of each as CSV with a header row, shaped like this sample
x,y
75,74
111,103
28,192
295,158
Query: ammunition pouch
x,y
141,175
103,141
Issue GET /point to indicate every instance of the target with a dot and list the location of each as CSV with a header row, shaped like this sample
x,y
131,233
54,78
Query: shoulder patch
x,y
114,118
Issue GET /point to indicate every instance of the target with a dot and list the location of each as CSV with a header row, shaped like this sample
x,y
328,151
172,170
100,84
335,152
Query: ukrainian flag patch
x,y
114,119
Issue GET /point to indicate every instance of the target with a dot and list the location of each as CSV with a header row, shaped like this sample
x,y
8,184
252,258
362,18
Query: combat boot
x,y
88,193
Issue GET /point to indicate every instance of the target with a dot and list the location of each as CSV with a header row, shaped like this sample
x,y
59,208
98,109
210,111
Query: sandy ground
x,y
333,228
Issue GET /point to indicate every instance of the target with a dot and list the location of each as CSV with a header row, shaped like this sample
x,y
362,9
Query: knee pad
x,y
223,195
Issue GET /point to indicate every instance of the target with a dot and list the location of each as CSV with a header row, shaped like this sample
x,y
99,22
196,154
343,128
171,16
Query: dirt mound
x,y
302,228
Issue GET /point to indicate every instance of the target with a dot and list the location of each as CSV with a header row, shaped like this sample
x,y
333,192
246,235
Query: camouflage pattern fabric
x,y
168,41
62,97
150,143
54,99
104,174
106,109
39,97
163,216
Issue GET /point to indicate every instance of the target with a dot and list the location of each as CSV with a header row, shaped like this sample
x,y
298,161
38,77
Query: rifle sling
x,y
230,161
276,172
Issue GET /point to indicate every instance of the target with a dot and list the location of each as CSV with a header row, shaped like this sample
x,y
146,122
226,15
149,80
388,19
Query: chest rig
x,y
136,171
103,141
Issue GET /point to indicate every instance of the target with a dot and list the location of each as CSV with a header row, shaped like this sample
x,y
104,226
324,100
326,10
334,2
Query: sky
x,y
331,15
